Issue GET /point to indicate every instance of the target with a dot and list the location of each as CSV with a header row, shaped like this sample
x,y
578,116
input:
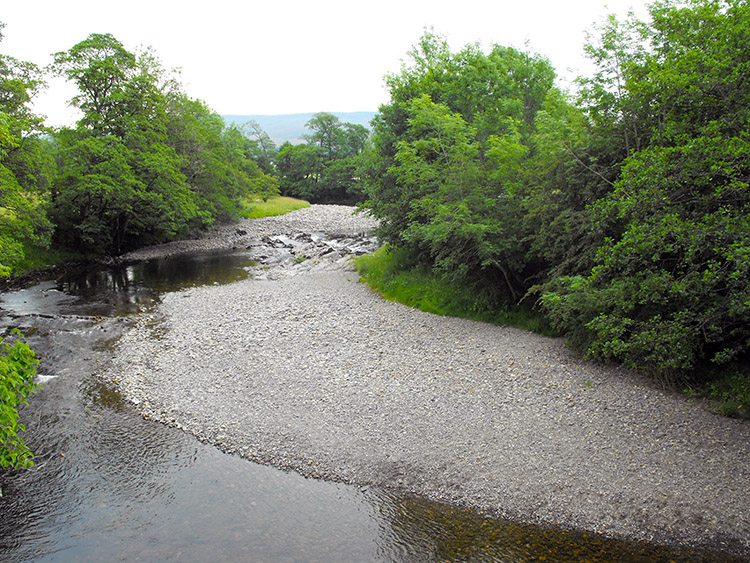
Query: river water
x,y
111,486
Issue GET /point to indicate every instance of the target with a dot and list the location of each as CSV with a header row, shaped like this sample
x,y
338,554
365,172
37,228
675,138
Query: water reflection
x,y
100,290
111,486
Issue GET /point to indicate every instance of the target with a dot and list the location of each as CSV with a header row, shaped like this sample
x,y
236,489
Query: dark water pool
x,y
110,486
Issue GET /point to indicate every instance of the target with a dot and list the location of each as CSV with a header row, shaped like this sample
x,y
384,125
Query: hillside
x,y
290,127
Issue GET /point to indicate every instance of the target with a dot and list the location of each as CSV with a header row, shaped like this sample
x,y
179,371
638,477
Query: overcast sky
x,y
292,56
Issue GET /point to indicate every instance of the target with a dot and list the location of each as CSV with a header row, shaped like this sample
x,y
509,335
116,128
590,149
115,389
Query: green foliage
x,y
259,146
564,178
625,211
325,169
17,372
38,258
731,390
446,175
146,163
300,168
668,290
24,167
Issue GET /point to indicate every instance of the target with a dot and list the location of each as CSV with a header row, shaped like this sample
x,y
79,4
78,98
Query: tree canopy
x,y
447,167
668,285
24,166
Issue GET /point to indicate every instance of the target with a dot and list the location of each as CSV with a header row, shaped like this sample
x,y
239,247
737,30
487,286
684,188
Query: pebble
x,y
315,369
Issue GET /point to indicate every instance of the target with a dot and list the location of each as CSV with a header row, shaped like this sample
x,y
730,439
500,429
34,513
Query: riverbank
x,y
334,220
316,374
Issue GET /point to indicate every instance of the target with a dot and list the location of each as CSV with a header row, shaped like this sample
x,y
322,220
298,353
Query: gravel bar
x,y
317,374
334,220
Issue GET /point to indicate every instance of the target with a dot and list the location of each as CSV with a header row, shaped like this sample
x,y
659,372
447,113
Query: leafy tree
x,y
669,287
146,163
325,169
446,171
354,139
326,133
248,176
300,168
261,147
24,167
103,71
17,372
564,177
120,185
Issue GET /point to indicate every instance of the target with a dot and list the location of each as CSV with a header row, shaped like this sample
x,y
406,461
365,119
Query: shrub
x,y
17,370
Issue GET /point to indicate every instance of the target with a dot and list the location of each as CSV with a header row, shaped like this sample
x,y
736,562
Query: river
x,y
111,486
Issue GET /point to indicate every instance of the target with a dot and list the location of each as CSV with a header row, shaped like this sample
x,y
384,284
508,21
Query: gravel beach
x,y
317,374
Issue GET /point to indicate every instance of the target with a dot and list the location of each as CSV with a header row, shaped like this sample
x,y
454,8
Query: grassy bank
x,y
385,272
253,208
35,262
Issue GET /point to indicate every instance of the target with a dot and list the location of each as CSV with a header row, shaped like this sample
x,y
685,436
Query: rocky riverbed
x,y
316,374
309,225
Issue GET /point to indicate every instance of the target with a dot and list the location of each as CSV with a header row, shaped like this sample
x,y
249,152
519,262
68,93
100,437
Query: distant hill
x,y
290,127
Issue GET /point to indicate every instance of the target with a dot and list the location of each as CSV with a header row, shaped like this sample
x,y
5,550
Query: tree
x,y
354,139
300,168
24,167
102,69
325,169
445,174
460,211
327,133
146,163
120,185
261,147
248,175
668,290
564,178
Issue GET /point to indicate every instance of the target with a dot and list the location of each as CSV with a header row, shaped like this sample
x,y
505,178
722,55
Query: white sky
x,y
294,56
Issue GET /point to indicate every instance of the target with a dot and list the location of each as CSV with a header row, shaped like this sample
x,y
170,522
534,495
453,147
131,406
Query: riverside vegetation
x,y
619,212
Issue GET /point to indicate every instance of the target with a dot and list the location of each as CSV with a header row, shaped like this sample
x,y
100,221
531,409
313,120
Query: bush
x,y
17,370
732,391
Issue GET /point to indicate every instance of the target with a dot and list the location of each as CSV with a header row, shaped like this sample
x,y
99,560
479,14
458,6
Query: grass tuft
x,y
37,258
731,391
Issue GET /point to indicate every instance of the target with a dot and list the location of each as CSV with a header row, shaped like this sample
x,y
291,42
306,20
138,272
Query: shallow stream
x,y
111,486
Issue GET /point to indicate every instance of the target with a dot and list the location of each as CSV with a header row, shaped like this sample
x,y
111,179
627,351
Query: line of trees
x,y
324,168
625,212
145,163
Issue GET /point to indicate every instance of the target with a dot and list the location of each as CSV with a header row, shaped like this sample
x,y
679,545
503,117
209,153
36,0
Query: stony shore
x,y
317,374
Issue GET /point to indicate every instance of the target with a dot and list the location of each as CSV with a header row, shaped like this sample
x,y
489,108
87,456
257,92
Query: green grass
x,y
386,273
730,390
252,208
